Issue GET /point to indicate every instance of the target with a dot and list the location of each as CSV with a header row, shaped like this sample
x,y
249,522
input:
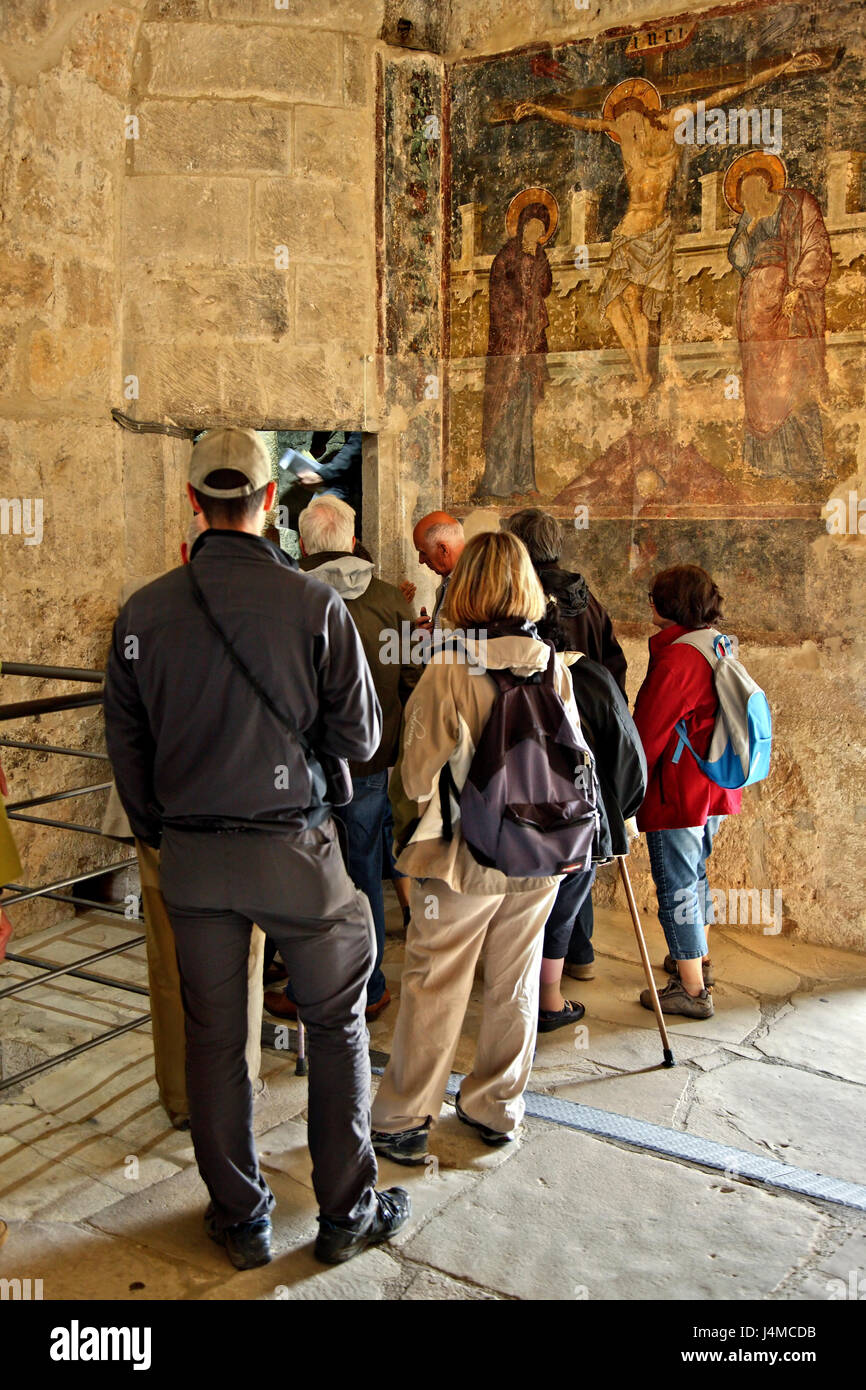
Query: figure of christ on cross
x,y
641,248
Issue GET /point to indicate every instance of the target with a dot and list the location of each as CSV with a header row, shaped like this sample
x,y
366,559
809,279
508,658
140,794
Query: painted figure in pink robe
x,y
781,249
520,281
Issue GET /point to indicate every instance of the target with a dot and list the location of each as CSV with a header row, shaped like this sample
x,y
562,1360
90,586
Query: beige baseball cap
x,y
241,450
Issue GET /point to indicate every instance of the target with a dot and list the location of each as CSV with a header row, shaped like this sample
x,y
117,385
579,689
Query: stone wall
x,y
65,70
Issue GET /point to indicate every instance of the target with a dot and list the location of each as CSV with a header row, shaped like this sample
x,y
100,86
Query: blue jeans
x,y
678,859
363,820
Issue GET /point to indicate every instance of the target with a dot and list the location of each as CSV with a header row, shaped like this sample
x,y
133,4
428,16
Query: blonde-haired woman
x,y
460,908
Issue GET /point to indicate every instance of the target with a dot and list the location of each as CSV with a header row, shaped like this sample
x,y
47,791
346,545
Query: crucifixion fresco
x,y
673,319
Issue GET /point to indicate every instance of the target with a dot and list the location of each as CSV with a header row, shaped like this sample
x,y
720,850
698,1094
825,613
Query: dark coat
x,y
615,744
577,622
191,744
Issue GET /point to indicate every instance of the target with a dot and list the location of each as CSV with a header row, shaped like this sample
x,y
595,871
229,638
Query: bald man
x,y
439,540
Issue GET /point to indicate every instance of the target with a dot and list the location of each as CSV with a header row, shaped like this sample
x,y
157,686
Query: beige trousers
x,y
166,1005
441,955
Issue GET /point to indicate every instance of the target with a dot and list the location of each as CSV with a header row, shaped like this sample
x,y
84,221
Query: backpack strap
x,y
447,787
713,645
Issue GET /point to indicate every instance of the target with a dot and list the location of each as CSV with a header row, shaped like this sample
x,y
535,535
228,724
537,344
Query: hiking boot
x,y
670,968
675,999
408,1146
493,1137
579,972
247,1245
340,1241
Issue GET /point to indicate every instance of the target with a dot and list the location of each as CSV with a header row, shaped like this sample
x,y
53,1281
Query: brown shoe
x,y
374,1010
579,972
670,968
675,999
279,1005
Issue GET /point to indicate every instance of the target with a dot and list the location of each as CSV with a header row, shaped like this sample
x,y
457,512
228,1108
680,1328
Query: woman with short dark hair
x,y
682,809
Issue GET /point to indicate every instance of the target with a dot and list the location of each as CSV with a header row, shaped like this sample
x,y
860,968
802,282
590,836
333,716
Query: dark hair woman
x,y
683,809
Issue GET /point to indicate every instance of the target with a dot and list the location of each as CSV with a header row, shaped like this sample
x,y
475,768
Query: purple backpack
x,y
529,805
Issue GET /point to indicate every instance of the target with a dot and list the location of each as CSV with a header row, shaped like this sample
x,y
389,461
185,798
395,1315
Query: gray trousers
x,y
295,886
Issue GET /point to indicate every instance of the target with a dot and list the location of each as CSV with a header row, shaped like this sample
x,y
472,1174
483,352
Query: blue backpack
x,y
739,751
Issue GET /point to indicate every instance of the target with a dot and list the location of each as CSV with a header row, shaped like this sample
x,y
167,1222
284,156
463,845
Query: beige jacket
x,y
444,719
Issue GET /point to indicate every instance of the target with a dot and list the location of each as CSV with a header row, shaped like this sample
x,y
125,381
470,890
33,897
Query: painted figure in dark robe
x,y
782,251
520,281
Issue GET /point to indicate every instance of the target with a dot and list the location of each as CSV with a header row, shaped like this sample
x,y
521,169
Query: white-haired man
x,y
327,531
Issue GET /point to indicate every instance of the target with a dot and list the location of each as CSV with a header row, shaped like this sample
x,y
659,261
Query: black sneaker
x,y
408,1146
337,1243
247,1245
493,1137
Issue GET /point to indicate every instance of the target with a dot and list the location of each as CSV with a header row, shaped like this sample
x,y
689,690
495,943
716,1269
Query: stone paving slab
x,y
581,1219
31,1185
77,1263
433,1288
734,960
610,1045
808,1121
654,1096
825,1030
812,962
613,996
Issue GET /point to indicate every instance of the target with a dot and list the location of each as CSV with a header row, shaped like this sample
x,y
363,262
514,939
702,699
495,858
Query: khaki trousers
x,y
441,955
166,1005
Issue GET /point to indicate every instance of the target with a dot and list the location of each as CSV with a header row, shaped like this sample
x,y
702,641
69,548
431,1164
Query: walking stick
x,y
644,955
301,1064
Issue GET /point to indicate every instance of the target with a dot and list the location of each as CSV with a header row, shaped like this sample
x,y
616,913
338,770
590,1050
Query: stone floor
x,y
103,1200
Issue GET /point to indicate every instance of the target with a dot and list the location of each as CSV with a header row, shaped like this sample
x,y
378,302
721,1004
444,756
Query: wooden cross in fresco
x,y
669,85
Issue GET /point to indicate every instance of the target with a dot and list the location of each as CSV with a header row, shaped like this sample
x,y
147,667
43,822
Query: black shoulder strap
x,y
447,785
238,662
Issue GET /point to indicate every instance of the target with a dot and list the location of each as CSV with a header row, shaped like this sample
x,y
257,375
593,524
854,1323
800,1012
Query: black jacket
x,y
577,622
615,744
191,744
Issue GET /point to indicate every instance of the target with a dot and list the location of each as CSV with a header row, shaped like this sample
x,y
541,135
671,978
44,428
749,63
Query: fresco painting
x,y
672,325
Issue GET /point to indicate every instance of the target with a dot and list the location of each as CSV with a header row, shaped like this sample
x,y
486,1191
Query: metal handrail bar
x,y
79,974
72,1052
57,824
52,748
58,796
47,706
68,882
58,673
57,970
89,902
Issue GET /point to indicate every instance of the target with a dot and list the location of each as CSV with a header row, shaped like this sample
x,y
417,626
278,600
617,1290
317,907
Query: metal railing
x,y
19,893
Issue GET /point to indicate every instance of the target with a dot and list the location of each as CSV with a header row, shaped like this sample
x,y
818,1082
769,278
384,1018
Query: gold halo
x,y
632,87
747,164
522,200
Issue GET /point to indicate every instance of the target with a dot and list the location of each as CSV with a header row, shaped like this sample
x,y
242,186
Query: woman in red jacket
x,y
682,809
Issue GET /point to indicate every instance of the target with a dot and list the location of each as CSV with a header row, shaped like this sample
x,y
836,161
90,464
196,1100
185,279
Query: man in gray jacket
x,y
229,682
